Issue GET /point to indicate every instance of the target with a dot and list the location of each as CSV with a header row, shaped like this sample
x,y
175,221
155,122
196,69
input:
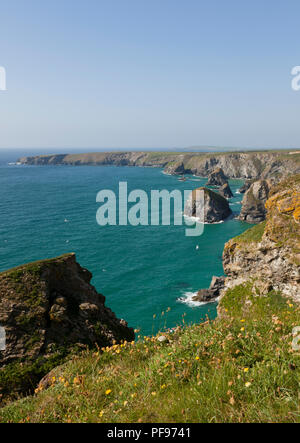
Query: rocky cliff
x,y
247,165
47,309
268,254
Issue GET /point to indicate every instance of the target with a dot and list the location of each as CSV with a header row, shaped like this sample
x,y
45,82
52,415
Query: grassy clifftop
x,y
239,368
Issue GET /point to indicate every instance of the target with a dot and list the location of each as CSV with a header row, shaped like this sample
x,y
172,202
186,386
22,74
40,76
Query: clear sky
x,y
149,73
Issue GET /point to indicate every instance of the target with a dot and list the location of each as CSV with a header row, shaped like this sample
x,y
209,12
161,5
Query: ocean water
x,y
142,271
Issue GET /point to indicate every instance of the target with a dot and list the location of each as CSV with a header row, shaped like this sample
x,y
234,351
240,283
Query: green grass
x,y
33,267
254,234
23,377
238,368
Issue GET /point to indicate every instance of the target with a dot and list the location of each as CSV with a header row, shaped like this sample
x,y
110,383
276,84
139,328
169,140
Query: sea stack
x,y
253,204
225,191
207,205
217,178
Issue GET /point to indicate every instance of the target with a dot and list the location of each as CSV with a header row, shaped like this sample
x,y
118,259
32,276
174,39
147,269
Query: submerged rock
x,y
225,191
217,178
253,204
207,205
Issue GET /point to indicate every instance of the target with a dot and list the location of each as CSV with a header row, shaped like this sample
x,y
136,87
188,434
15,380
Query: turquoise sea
x,y
47,211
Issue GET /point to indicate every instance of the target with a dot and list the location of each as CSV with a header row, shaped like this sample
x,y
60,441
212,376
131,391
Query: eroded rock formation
x,y
213,292
217,178
253,204
207,205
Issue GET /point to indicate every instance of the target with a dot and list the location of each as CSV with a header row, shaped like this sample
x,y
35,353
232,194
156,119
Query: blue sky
x,y
149,73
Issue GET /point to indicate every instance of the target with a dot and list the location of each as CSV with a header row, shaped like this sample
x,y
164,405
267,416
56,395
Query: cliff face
x,y
47,308
247,165
269,253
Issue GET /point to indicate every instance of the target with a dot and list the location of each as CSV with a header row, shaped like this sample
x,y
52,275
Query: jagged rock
x,y
207,205
214,291
225,191
49,307
176,168
269,254
253,204
245,186
217,178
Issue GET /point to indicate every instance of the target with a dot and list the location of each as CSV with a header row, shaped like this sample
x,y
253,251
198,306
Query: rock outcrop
x,y
253,204
269,253
211,294
176,168
225,191
49,307
217,178
245,186
207,206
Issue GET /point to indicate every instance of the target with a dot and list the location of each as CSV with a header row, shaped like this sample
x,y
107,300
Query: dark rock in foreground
x,y
207,205
253,204
217,178
207,295
225,191
49,307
